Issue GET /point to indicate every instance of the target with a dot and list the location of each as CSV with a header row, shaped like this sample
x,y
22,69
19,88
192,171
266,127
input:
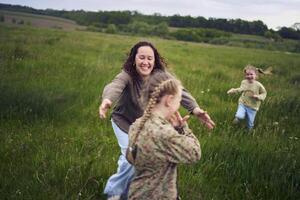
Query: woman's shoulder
x,y
123,77
124,73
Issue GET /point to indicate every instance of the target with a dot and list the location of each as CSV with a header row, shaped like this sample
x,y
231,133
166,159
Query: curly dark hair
x,y
129,67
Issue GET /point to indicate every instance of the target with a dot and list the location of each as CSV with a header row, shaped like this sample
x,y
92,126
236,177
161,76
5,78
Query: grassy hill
x,y
43,21
53,145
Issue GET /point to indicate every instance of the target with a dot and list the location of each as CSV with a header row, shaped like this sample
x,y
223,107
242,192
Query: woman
x,y
127,91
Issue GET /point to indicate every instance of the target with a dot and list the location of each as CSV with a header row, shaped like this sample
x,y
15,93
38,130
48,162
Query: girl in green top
x,y
253,93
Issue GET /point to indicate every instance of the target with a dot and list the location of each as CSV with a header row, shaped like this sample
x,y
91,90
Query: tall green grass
x,y
53,146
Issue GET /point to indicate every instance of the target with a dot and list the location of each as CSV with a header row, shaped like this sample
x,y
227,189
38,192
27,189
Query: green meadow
x,y
54,146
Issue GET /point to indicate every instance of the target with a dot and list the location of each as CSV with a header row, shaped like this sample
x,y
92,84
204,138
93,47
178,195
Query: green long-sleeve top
x,y
128,96
159,149
248,90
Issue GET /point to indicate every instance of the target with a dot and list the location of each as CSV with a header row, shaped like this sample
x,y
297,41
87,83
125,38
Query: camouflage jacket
x,y
159,148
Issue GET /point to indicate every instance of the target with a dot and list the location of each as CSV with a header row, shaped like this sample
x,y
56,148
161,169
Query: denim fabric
x,y
246,112
118,184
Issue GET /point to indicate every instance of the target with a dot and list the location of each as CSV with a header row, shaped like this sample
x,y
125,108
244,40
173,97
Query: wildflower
x,y
275,123
202,92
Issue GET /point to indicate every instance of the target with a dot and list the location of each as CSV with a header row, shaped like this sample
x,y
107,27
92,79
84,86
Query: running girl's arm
x,y
237,90
262,93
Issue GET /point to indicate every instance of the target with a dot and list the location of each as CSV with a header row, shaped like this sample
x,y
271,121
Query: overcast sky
x,y
273,13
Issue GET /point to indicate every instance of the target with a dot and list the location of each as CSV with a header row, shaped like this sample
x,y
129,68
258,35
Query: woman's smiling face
x,y
144,61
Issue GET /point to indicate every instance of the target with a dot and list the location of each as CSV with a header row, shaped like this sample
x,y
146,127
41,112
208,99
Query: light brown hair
x,y
257,70
159,85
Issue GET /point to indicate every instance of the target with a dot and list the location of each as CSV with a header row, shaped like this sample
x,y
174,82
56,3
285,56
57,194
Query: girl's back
x,y
160,148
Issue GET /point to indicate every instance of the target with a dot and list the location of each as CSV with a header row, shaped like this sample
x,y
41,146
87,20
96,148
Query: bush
x,y
1,18
273,36
200,35
21,22
219,41
111,28
297,47
99,25
138,27
94,29
162,29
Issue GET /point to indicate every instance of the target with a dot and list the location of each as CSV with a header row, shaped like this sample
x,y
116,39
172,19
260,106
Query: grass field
x,y
53,145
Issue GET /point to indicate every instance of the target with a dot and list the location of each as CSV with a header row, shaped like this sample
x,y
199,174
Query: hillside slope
x,y
42,21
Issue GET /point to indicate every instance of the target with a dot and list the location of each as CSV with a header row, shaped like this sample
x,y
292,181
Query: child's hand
x,y
103,108
231,91
255,96
177,121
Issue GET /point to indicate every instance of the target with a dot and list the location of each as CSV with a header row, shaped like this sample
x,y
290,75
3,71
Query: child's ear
x,y
169,99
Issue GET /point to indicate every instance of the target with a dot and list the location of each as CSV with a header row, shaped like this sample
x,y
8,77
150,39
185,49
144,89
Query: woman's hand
x,y
177,121
103,108
204,117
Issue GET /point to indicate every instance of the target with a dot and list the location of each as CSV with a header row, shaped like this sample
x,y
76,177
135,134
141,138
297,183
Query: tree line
x,y
102,19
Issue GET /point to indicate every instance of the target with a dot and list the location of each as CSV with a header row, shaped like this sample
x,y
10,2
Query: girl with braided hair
x,y
126,92
158,141
253,93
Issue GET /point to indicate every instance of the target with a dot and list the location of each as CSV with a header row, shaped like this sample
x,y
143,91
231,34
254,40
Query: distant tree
x,y
124,18
259,28
175,21
201,22
13,20
1,18
199,35
114,17
289,33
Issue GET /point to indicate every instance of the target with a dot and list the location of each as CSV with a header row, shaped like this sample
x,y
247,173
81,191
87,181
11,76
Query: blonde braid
x,y
154,99
147,113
